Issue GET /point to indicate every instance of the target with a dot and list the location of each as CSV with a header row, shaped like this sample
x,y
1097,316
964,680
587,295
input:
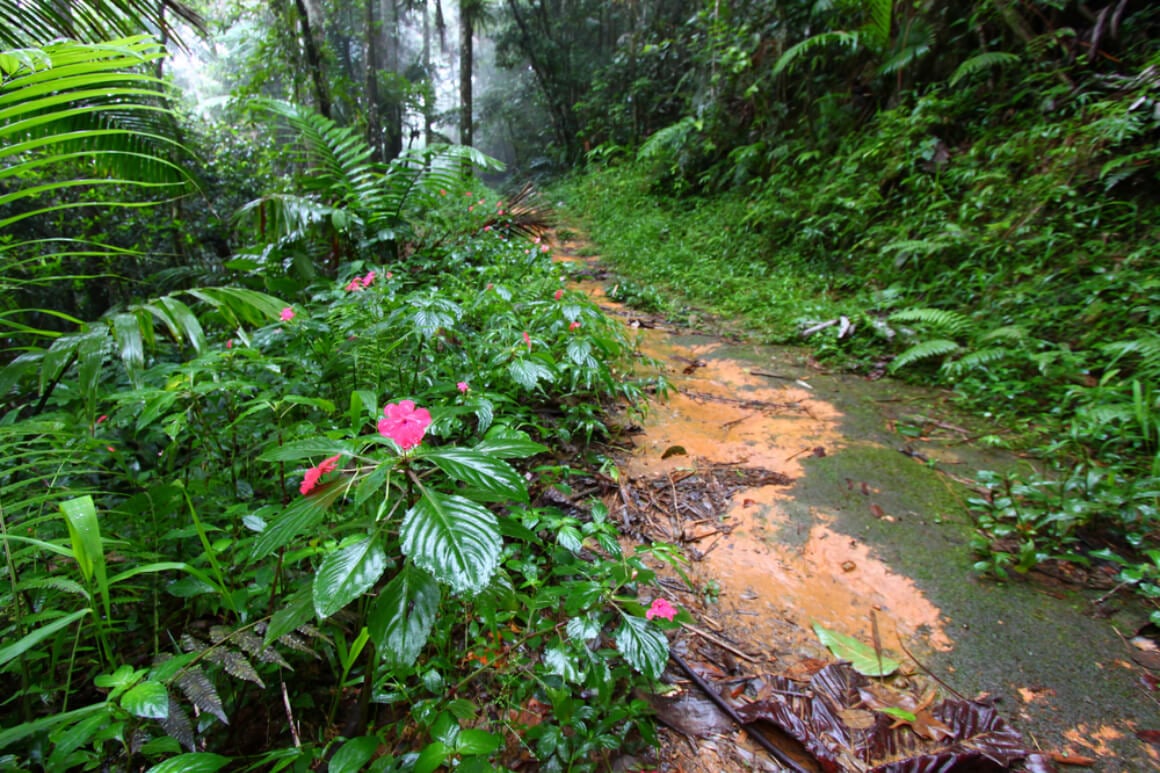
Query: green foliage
x,y
226,513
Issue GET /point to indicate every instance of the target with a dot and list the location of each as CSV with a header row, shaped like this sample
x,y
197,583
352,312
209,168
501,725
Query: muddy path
x,y
802,497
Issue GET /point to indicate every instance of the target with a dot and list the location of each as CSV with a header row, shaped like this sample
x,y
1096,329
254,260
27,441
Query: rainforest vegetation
x,y
287,366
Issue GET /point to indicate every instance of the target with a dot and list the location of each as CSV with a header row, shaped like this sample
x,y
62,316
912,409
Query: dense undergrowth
x,y
1005,249
293,517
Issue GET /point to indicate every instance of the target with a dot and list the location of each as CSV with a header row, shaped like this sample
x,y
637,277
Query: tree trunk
x,y
313,59
374,129
466,62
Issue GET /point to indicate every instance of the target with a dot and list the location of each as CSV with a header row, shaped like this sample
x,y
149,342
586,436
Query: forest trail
x,y
803,497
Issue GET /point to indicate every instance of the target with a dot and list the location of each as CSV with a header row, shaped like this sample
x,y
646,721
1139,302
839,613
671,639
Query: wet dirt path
x,y
849,529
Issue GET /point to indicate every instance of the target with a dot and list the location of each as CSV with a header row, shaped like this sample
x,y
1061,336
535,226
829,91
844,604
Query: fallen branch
x,y
719,642
730,712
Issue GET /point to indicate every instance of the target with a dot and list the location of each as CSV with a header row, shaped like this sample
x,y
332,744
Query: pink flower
x,y
404,423
310,480
102,417
471,208
661,608
500,212
469,194
287,313
442,191
528,340
573,325
354,285
487,228
490,286
230,343
462,386
389,275
536,240
559,294
544,248
369,279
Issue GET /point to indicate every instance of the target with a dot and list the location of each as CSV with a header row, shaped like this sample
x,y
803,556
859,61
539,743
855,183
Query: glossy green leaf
x,y
354,754
348,573
84,532
403,615
194,762
643,645
509,447
861,656
489,475
454,539
148,699
304,513
474,741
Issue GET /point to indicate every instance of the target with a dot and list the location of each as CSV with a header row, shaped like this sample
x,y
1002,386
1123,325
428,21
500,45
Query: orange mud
x,y
831,579
720,412
777,575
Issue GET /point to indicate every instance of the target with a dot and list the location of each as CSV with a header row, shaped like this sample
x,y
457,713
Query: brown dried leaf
x,y
955,735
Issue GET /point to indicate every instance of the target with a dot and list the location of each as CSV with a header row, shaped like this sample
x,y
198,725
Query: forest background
x,y
219,281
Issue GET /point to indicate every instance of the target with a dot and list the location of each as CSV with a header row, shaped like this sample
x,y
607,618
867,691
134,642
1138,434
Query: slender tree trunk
x,y
392,110
374,129
313,59
466,64
429,88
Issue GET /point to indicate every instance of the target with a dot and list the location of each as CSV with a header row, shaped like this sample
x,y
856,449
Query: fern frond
x,y
1005,333
1146,348
924,351
949,321
667,140
982,62
198,688
979,358
177,725
851,40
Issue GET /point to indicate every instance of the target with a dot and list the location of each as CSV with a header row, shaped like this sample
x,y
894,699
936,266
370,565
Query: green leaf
x,y
194,762
84,532
491,476
310,448
509,446
403,615
454,539
303,514
30,640
346,574
527,373
431,757
354,754
473,741
147,699
643,645
299,609
860,656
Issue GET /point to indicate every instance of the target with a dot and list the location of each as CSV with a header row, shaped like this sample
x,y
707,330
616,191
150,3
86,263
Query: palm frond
x,y
36,23
877,28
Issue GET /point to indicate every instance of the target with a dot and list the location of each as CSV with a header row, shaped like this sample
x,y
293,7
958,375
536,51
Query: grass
x,y
696,250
